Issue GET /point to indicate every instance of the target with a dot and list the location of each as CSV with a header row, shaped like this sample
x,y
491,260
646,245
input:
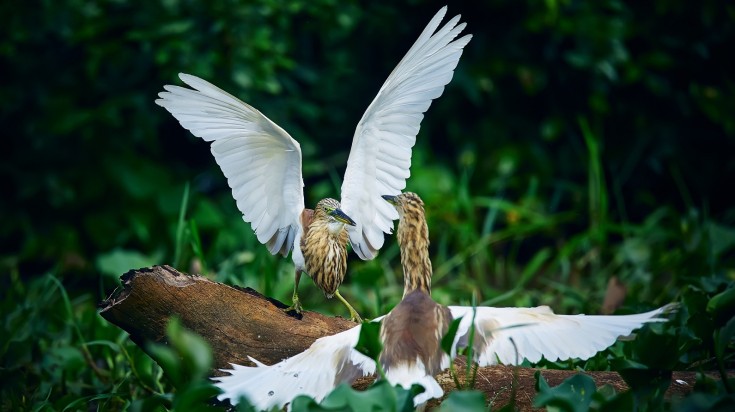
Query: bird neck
x,y
413,239
325,255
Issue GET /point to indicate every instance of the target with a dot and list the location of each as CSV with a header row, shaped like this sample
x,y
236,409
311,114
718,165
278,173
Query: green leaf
x,y
464,401
648,385
723,337
87,399
195,397
168,360
193,349
722,305
621,402
119,261
572,395
179,241
448,338
146,369
707,402
369,342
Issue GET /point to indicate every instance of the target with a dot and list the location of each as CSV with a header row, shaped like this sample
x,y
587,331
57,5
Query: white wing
x,y
261,161
555,337
380,156
315,372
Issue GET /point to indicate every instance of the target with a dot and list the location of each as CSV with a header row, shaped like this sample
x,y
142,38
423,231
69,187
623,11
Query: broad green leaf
x,y
464,401
722,305
168,360
448,338
572,395
369,342
119,261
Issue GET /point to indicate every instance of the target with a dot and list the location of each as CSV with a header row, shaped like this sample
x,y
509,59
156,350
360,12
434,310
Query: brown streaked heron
x,y
262,162
412,332
413,356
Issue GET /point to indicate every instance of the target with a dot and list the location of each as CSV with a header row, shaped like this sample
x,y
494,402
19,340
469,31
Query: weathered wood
x,y
236,322
241,322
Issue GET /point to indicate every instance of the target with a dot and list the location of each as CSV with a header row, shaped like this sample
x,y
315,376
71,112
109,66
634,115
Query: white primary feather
x,y
261,161
380,157
539,332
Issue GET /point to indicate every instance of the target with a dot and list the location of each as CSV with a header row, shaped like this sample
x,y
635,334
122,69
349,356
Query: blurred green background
x,y
577,141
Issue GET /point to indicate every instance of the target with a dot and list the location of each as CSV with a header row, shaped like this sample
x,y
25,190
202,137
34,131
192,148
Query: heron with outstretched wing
x,y
262,162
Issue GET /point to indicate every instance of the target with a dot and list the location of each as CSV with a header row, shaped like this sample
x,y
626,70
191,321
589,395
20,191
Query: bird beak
x,y
390,199
342,217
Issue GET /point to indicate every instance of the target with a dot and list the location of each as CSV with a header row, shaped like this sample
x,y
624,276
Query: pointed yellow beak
x,y
342,217
390,199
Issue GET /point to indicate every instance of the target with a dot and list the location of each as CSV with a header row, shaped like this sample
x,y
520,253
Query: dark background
x,y
92,164
577,141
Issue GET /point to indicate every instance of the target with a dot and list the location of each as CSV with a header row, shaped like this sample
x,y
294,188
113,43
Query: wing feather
x,y
541,333
315,372
261,162
380,157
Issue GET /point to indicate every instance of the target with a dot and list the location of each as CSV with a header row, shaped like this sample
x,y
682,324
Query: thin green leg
x,y
296,306
354,316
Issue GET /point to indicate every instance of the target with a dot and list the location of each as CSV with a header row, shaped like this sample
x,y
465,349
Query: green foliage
x,y
577,141
448,339
59,354
464,401
369,341
578,393
572,395
379,397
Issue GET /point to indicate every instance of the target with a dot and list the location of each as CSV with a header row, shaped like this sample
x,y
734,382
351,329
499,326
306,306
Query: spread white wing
x,y
261,161
555,337
380,156
315,372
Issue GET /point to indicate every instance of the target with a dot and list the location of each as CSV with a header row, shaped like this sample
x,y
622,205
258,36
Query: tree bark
x,y
238,323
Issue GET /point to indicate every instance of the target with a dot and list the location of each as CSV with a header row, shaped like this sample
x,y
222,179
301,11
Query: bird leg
x,y
296,306
354,316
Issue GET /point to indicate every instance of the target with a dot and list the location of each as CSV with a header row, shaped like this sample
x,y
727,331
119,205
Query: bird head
x,y
331,209
403,201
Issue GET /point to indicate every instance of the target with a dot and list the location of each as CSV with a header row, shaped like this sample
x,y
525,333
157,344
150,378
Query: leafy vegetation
x,y
578,141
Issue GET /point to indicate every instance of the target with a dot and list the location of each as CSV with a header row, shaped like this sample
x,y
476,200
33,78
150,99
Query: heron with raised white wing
x,y
262,162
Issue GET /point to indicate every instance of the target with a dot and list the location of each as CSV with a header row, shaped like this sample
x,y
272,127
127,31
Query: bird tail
x,y
408,375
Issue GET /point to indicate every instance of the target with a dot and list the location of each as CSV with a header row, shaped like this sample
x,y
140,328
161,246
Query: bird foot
x,y
354,316
295,307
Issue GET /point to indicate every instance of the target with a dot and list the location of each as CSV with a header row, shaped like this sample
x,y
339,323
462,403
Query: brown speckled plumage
x,y
413,239
325,252
413,330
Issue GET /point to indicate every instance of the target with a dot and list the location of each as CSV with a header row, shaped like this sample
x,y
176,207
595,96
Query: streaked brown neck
x,y
413,239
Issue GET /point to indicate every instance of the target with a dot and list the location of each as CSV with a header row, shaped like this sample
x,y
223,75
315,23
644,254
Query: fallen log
x,y
238,323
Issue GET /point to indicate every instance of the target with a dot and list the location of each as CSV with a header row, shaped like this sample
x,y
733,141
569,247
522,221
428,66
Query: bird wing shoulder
x,y
380,156
262,163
